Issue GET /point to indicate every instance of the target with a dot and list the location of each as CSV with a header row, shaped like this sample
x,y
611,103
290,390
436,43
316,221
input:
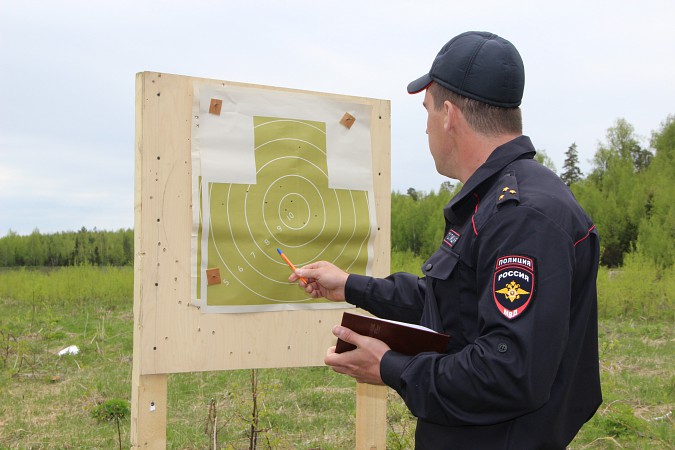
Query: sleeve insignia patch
x,y
513,285
451,238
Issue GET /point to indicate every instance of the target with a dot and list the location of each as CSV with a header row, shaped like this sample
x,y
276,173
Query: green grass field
x,y
46,400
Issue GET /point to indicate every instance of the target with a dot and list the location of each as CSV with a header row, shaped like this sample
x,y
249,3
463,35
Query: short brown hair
x,y
483,118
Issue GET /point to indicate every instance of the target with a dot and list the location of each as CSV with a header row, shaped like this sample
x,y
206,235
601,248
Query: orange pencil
x,y
290,264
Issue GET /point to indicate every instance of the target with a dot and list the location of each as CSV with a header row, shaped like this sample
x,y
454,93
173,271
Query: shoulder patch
x,y
513,284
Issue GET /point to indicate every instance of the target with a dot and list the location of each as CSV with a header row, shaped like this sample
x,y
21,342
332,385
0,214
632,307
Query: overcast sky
x,y
67,74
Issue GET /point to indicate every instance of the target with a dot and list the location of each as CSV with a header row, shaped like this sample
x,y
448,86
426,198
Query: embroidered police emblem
x,y
451,238
513,285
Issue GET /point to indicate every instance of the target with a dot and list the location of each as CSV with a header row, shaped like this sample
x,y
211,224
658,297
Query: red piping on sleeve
x,y
587,234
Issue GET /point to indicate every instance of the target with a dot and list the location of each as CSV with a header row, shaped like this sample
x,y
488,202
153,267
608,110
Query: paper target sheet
x,y
276,170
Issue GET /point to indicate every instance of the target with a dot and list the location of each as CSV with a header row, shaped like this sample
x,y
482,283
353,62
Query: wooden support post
x,y
148,413
371,417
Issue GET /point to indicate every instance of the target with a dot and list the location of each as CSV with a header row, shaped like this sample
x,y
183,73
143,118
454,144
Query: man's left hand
x,y
362,363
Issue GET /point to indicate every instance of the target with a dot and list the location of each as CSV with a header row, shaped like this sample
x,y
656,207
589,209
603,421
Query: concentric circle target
x,y
290,207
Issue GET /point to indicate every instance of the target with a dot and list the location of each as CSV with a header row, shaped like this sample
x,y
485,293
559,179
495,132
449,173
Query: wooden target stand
x,y
170,334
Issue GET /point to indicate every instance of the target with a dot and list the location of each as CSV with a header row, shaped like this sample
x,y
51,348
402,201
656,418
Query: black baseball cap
x,y
478,65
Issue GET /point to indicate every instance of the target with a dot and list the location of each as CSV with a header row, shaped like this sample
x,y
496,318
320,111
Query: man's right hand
x,y
323,280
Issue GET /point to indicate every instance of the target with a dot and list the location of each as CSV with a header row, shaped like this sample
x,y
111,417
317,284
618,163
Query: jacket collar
x,y
518,148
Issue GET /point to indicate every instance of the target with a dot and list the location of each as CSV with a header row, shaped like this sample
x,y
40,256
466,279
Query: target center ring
x,y
294,211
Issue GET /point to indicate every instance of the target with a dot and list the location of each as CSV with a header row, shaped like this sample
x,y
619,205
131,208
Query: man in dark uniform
x,y
513,281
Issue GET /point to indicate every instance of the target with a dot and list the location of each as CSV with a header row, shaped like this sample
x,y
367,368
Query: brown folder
x,y
400,337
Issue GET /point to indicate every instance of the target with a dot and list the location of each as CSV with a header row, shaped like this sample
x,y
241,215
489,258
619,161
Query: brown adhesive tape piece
x,y
213,276
216,105
348,120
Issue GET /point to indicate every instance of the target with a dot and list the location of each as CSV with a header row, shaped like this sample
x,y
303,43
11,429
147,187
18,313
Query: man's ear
x,y
450,114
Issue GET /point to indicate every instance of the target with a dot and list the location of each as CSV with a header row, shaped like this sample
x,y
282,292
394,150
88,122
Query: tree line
x,y
629,194
70,248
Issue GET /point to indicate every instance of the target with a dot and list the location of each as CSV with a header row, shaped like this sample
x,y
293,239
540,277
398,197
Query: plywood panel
x,y
171,334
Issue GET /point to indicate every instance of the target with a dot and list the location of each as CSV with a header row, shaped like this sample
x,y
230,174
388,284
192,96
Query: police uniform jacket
x,y
513,283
